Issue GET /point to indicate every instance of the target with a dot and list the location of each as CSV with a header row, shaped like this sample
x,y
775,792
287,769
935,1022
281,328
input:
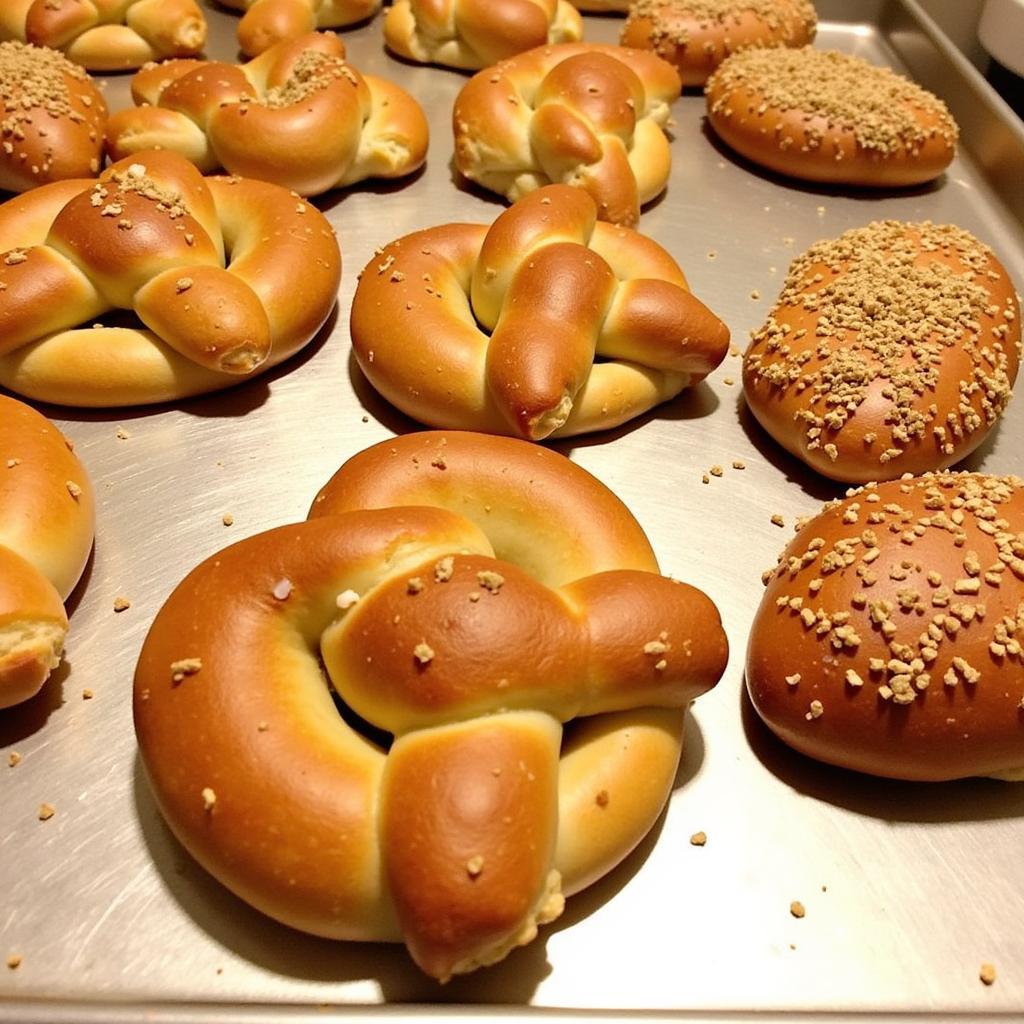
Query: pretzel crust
x,y
577,113
268,22
497,328
77,249
284,775
297,116
473,34
47,511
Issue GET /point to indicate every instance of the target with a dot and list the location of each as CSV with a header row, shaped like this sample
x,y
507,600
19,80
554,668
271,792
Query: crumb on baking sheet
x,y
987,973
716,470
777,520
14,961
227,519
122,434
699,839
46,812
797,909
121,604
13,759
87,694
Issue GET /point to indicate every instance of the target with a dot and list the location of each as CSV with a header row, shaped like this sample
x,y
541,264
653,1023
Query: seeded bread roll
x,y
892,349
889,637
53,118
826,116
697,35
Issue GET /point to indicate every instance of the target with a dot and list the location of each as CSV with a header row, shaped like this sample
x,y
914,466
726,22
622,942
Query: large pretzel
x,y
228,276
267,22
467,594
581,114
46,530
107,35
475,33
297,115
498,328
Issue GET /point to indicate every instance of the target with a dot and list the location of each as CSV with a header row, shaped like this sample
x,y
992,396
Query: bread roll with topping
x,y
826,116
892,349
889,639
697,35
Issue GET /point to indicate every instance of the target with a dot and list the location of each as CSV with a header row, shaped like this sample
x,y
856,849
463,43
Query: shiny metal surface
x,y
907,888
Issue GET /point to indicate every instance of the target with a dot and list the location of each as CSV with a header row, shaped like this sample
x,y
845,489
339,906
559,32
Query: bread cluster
x,y
229,277
101,35
580,114
47,512
889,636
298,116
468,595
547,323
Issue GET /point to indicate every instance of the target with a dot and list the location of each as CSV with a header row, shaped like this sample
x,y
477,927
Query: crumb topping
x,y
311,73
423,653
185,667
108,196
209,799
491,581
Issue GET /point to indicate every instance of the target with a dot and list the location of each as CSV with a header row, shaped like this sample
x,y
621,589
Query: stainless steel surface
x,y
908,888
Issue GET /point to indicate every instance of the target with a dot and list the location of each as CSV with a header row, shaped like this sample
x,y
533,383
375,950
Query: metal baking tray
x,y
907,888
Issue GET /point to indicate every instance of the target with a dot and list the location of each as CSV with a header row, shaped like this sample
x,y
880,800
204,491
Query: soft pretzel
x,y
298,116
892,349
821,115
697,35
548,322
267,22
602,6
228,276
46,531
579,114
468,595
107,35
476,33
889,637
53,118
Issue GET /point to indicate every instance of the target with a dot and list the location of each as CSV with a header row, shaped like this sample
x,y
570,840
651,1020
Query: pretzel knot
x,y
581,114
46,530
298,115
471,596
475,33
267,22
548,323
107,35
228,276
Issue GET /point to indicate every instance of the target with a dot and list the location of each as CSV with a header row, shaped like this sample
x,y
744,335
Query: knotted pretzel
x,y
228,277
267,22
547,323
53,118
298,116
468,595
46,530
107,35
579,114
476,33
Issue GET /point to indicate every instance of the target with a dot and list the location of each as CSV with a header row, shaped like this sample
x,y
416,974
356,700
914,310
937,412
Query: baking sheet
x,y
907,888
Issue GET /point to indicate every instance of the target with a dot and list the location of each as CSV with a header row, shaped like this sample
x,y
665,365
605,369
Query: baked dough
x,y
267,22
468,594
227,276
548,323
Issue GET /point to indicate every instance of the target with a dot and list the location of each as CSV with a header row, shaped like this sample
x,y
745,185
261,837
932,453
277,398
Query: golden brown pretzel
x,y
267,22
498,328
892,349
107,35
602,6
476,33
579,114
697,35
297,116
46,527
889,639
468,594
53,118
228,276
821,115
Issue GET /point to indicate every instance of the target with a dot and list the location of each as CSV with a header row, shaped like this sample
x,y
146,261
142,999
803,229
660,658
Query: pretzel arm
x,y
137,128
42,292
208,315
394,137
173,28
56,25
110,48
267,22
543,347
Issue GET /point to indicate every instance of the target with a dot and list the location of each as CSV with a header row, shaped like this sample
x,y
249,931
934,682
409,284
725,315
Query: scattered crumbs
x,y
474,866
699,839
712,255
704,478
716,470
282,590
346,599
777,520
46,812
11,463
87,694
414,585
262,726
121,604
474,596
816,710
755,294
738,464
13,759
797,909
821,211
183,284
185,667
423,653
227,519
853,678
444,569
793,680
491,581
73,489
209,799
438,462
14,961
987,973
602,798
365,418
122,434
